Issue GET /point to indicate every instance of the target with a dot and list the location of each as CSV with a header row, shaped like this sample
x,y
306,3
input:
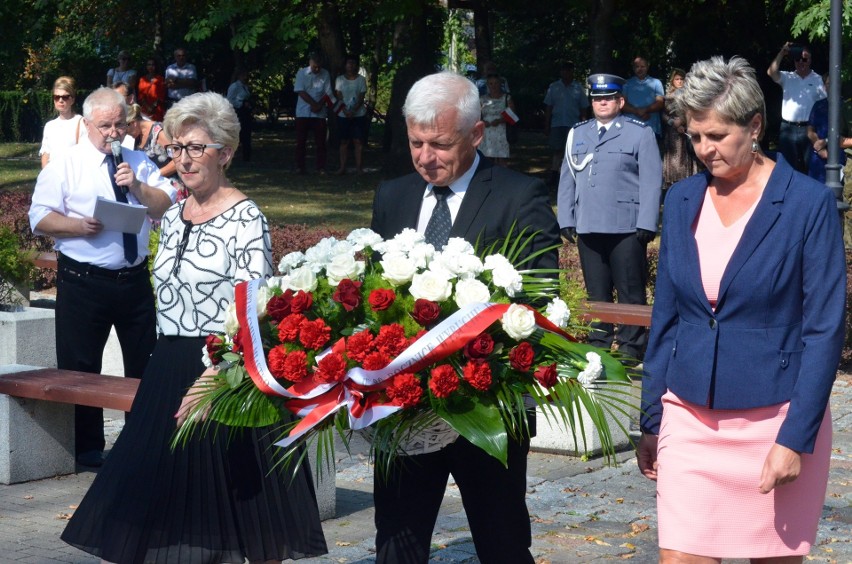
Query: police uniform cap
x,y
605,84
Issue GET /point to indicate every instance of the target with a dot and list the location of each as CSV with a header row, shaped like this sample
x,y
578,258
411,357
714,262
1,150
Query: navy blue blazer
x,y
777,330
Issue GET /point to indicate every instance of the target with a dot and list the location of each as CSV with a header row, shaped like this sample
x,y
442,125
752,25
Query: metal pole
x,y
832,168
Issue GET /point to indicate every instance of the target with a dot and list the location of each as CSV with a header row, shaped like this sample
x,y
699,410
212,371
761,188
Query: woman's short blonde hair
x,y
209,111
729,88
67,84
134,112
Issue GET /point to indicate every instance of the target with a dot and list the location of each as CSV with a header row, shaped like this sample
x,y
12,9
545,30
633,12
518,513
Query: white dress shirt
x,y
71,186
457,191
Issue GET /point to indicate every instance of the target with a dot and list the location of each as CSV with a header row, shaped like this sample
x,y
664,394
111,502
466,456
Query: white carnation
x,y
518,322
496,261
458,246
408,237
291,261
431,285
469,266
470,291
593,369
231,325
320,254
558,313
397,268
422,255
362,238
264,293
342,267
205,358
505,276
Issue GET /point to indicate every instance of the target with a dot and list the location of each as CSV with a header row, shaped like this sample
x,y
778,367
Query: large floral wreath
x,y
394,336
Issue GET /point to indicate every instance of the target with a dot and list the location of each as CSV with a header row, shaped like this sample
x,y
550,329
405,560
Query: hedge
x,y
23,114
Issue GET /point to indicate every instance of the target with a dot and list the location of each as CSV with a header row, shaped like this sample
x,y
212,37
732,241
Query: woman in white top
x,y
122,73
64,131
352,119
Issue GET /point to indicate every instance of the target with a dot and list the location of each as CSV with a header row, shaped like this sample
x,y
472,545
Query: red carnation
x,y
359,345
546,375
288,329
521,357
314,334
375,360
405,390
302,301
425,311
214,344
479,347
478,375
296,366
276,359
381,299
330,368
348,294
278,307
391,339
443,381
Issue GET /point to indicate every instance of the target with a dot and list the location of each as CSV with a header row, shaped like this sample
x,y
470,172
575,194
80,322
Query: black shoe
x,y
91,458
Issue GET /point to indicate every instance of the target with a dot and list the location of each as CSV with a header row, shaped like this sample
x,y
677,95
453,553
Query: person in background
x,y
488,68
644,97
800,89
313,88
746,335
566,104
217,497
124,89
494,143
609,204
149,137
818,136
151,92
181,78
482,203
102,278
122,73
239,96
65,130
350,89
678,158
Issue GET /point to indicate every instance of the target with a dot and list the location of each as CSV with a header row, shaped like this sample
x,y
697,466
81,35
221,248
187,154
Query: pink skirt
x,y
708,502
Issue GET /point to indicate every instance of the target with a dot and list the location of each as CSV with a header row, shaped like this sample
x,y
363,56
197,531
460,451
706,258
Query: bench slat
x,y
626,314
68,386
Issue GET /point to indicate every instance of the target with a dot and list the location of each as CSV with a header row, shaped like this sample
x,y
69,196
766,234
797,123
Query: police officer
x,y
609,200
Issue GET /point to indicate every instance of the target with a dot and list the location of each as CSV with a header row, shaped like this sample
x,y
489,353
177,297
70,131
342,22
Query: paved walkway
x,y
581,511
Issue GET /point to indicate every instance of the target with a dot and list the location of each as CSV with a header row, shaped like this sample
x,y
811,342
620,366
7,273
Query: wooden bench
x,y
69,386
625,314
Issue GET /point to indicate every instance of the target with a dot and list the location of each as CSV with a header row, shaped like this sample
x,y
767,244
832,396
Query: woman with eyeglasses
x,y
66,129
216,498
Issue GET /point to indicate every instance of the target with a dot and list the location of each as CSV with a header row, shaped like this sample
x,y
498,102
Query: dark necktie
x,y
601,132
438,229
130,246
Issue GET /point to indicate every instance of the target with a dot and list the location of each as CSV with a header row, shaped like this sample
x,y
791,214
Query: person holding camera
x,y
801,89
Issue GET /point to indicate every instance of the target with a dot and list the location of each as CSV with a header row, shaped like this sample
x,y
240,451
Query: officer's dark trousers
x,y
615,262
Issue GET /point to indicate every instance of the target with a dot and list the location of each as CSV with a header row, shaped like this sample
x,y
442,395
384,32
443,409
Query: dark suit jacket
x,y
777,331
495,199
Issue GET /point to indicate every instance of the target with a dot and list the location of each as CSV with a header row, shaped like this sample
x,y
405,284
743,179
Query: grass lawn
x,y
341,202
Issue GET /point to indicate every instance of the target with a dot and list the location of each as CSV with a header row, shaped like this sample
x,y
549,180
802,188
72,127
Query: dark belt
x,y
796,123
87,269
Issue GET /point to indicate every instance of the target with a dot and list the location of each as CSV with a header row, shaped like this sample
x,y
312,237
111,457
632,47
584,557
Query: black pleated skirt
x,y
212,500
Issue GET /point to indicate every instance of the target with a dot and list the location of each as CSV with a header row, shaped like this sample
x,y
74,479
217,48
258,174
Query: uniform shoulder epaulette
x,y
635,121
584,122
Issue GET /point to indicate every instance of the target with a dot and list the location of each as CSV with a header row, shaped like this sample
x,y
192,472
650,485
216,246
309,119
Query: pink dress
x,y
710,460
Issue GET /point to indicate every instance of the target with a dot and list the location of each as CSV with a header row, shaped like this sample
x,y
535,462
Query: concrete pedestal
x,y
28,337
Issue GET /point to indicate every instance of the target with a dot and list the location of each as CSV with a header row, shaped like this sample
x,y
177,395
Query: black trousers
x,y
407,503
89,302
244,114
616,262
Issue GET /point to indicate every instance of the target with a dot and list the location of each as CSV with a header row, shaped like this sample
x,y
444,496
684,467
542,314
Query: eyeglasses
x,y
105,130
194,150
63,97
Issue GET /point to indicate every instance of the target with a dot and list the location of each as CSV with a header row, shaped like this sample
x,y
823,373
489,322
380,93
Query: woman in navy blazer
x,y
744,346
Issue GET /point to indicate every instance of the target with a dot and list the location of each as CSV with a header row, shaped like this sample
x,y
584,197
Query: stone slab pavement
x,y
582,511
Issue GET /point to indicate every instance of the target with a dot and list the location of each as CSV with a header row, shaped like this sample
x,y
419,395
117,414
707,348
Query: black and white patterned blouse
x,y
198,265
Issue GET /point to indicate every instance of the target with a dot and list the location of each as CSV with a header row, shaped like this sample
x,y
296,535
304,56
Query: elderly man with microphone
x,y
102,277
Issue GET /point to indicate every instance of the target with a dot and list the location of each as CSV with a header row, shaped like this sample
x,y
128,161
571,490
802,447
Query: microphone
x,y
115,147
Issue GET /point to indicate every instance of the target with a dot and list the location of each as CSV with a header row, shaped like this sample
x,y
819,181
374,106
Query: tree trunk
x,y
482,33
602,12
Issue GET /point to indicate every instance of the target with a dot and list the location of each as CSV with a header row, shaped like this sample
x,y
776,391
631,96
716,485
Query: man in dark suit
x,y
457,188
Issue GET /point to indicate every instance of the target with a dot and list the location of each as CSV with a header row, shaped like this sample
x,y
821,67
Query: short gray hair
x,y
103,99
437,93
729,88
209,111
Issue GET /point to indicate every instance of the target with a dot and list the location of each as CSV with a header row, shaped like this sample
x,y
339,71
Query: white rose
x,y
263,296
362,238
505,276
444,264
518,322
302,278
291,261
398,269
557,312
431,285
205,358
231,325
342,267
593,369
471,291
